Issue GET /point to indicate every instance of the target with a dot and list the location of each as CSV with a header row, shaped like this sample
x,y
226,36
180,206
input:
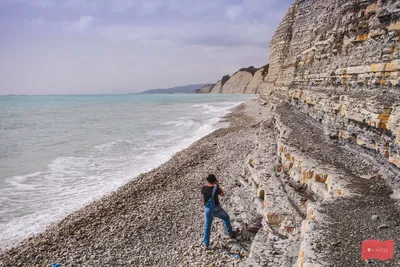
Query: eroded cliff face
x,y
245,81
339,62
254,84
237,83
218,86
333,89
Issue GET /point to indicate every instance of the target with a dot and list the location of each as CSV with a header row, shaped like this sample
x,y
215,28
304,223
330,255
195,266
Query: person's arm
x,y
221,192
202,196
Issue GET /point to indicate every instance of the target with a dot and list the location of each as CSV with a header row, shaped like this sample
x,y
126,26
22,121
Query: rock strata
x,y
334,89
344,72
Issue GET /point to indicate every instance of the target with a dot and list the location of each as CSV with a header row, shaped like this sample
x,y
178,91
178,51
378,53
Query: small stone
x,y
368,176
235,249
253,228
244,253
383,226
374,217
317,246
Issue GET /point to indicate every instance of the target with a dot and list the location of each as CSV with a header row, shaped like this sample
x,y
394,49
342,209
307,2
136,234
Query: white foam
x,y
19,181
107,146
181,122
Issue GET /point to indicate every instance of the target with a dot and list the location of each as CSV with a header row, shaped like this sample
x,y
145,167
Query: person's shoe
x,y
206,247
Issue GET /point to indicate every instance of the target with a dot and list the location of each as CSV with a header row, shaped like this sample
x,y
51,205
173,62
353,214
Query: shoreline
x,y
18,230
91,226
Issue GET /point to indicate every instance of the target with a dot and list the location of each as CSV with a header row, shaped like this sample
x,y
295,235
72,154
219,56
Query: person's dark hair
x,y
211,178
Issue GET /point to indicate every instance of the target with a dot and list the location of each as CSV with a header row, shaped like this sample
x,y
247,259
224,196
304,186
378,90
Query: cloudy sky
x,y
118,46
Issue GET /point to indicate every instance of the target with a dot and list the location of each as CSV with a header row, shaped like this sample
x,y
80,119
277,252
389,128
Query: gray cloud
x,y
82,25
209,34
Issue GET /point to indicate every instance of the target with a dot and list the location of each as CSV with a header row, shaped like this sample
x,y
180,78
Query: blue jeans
x,y
208,219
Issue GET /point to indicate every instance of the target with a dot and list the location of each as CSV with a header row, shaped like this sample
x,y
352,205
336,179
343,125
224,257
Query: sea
x,y
60,153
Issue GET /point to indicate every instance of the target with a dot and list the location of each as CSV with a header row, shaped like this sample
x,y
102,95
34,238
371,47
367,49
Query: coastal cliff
x,y
245,81
339,62
333,91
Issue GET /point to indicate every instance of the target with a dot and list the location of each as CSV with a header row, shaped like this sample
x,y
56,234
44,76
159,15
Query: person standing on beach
x,y
213,209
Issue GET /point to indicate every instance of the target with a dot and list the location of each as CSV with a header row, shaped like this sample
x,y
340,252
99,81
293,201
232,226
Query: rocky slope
x,y
244,81
333,87
320,198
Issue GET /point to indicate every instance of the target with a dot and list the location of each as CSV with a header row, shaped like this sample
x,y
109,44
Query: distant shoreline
x,y
115,94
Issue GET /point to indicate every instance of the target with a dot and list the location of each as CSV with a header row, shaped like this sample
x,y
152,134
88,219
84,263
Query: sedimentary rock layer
x,y
339,62
334,87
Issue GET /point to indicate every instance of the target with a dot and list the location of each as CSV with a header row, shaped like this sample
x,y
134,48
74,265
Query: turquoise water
x,y
59,153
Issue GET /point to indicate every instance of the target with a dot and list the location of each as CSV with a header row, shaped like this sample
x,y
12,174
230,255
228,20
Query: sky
x,y
124,46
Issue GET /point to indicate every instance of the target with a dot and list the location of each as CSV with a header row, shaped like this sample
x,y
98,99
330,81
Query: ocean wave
x,y
109,145
20,181
186,122
218,109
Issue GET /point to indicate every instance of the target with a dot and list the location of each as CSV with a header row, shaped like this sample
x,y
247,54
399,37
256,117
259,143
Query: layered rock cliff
x,y
244,81
339,62
334,94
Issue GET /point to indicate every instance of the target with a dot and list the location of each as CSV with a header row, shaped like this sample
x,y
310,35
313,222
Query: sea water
x,y
60,153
